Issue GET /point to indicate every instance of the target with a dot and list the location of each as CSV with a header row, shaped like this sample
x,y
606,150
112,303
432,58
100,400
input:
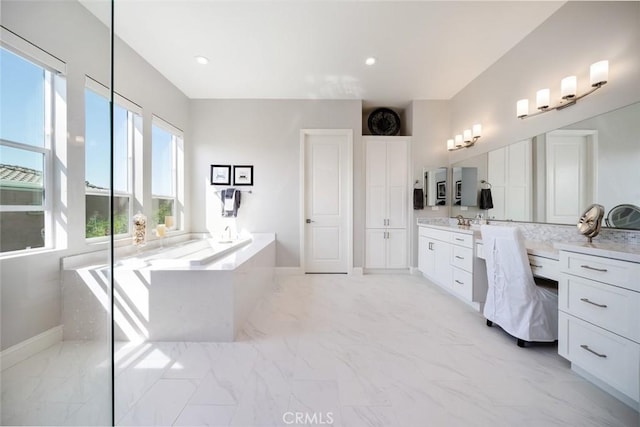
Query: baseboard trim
x,y
357,271
288,271
27,348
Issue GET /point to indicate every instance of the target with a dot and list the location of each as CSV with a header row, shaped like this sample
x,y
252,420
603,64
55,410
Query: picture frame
x,y
220,174
242,175
441,190
458,189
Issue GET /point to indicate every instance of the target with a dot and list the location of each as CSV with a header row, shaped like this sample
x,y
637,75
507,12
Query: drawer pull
x,y
459,239
459,257
602,270
459,282
534,265
593,303
586,347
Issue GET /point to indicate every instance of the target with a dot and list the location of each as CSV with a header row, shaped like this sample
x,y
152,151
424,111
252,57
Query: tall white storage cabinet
x,y
387,202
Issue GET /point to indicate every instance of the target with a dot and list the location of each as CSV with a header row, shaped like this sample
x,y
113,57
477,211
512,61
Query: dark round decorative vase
x,y
384,121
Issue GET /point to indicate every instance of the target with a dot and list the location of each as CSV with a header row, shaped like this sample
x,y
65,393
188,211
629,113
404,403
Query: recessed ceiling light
x,y
370,60
202,60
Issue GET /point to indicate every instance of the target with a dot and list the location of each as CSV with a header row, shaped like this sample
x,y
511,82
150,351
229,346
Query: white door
x,y
569,175
326,219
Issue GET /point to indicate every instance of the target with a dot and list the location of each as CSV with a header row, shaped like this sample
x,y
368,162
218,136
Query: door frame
x,y
304,133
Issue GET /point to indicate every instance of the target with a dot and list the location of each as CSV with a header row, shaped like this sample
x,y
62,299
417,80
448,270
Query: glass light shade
x,y
467,135
599,73
542,99
459,141
522,108
568,87
451,144
477,130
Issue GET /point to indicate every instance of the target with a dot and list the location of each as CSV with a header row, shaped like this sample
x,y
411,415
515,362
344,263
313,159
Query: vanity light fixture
x,y
599,73
465,140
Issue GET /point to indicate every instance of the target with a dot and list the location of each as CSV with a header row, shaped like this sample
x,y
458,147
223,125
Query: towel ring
x,y
485,182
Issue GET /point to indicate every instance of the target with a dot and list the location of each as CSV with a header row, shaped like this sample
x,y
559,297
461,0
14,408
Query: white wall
x,y
573,38
30,284
428,124
266,134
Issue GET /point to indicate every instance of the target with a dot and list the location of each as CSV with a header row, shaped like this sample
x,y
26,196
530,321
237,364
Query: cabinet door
x,y
376,184
397,184
442,263
396,248
375,248
423,255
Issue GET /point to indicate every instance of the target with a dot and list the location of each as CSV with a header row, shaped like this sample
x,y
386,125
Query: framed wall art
x,y
242,175
220,174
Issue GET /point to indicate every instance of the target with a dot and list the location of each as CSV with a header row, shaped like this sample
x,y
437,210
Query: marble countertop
x,y
621,251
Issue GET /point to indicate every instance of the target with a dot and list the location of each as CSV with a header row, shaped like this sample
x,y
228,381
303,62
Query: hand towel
x,y
486,201
418,198
230,202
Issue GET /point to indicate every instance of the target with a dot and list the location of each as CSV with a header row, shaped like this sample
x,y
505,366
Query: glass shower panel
x,y
56,347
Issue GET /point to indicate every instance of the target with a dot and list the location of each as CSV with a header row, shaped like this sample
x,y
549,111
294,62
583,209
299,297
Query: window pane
x,y
163,173
22,100
97,215
161,208
21,180
97,140
21,230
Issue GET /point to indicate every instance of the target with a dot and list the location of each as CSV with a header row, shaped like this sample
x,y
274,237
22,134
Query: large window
x,y
26,128
164,168
97,154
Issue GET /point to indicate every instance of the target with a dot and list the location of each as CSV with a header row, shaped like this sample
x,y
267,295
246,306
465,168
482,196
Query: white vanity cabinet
x,y
599,321
447,258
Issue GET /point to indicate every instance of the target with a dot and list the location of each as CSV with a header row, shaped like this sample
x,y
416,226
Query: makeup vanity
x,y
598,293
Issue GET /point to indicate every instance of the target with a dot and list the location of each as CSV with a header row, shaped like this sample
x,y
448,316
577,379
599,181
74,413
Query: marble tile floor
x,y
373,350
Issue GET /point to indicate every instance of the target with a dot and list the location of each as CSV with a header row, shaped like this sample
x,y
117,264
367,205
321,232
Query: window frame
x,y
177,142
53,70
134,114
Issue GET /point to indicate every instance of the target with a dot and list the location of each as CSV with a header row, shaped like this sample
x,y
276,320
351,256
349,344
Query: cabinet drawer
x,y
609,357
462,239
606,270
434,233
462,258
463,283
544,267
609,307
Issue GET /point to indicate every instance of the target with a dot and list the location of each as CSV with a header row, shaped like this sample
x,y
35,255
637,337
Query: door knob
x,y
309,221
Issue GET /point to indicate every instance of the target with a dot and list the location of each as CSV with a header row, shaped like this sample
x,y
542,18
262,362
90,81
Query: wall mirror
x,y
464,186
435,186
592,161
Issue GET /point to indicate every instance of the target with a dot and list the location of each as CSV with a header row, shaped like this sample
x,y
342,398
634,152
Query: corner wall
x,y
266,134
30,288
577,35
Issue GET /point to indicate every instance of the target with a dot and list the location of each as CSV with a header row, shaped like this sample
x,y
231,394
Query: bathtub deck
x,y
159,299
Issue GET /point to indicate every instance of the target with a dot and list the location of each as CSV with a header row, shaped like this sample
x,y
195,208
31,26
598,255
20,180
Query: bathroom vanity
x,y
446,257
599,315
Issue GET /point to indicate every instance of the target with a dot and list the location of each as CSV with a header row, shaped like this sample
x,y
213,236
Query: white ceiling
x,y
316,49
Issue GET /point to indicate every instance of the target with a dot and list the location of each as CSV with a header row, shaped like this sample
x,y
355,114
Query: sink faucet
x,y
460,220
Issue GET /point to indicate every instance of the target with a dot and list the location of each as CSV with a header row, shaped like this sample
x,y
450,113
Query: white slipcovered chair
x,y
514,301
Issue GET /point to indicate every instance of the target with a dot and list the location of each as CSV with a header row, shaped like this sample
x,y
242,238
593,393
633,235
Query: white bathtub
x,y
199,290
191,253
